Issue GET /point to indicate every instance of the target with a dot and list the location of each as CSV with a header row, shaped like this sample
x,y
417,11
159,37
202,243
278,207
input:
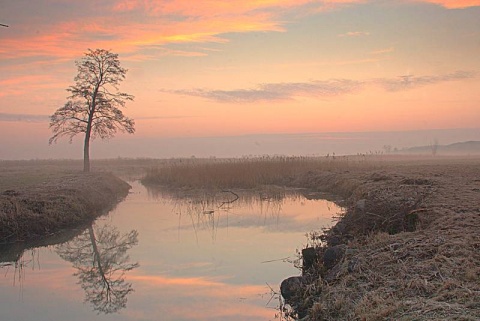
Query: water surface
x,y
160,258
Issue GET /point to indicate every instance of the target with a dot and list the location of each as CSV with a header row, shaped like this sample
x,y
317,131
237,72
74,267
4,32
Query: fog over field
x,y
302,144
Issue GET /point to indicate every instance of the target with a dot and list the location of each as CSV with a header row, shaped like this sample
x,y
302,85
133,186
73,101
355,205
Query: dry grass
x,y
245,172
22,173
38,198
390,271
417,276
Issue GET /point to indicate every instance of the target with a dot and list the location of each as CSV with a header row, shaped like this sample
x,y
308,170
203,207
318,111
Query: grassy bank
x,y
40,203
406,249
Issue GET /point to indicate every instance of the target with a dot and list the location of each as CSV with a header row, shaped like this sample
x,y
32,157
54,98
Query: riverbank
x,y
408,247
36,205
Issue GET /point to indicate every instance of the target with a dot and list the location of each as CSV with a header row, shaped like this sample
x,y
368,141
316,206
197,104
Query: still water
x,y
155,257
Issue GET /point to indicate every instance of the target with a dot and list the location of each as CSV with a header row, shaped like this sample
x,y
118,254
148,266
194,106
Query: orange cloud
x,y
21,84
215,8
21,80
239,302
209,286
67,40
455,4
129,26
170,281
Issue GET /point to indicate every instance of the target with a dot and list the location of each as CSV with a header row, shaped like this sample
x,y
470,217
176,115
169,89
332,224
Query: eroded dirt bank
x,y
60,202
408,247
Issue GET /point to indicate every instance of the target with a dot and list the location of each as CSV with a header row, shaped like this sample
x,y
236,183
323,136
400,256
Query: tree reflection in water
x,y
100,255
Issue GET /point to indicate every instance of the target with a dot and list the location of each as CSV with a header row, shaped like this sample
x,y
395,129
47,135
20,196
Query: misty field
x,y
22,173
181,172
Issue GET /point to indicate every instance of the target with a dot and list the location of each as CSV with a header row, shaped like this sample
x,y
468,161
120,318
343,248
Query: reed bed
x,y
240,173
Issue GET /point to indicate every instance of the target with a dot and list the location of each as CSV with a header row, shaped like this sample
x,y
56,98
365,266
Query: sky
x,y
247,77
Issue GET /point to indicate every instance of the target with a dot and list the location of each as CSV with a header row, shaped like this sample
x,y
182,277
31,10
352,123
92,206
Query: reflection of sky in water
x,y
194,264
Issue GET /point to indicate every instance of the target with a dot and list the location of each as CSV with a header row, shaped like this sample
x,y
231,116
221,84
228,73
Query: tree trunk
x,y
86,151
88,131
96,257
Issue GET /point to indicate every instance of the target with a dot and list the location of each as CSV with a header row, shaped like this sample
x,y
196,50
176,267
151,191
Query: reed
x,y
238,173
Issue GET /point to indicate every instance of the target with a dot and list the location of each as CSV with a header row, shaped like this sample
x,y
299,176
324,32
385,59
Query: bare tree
x,y
100,256
94,105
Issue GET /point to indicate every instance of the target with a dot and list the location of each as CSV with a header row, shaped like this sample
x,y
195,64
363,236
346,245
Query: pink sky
x,y
233,68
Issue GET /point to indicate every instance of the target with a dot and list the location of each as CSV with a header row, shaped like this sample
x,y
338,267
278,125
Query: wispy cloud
x,y
234,96
19,85
354,34
212,290
277,91
410,81
163,117
382,51
454,4
214,287
182,8
319,88
25,79
23,118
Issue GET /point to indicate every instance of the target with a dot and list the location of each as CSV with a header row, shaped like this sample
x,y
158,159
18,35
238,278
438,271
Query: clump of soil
x,y
408,247
60,202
